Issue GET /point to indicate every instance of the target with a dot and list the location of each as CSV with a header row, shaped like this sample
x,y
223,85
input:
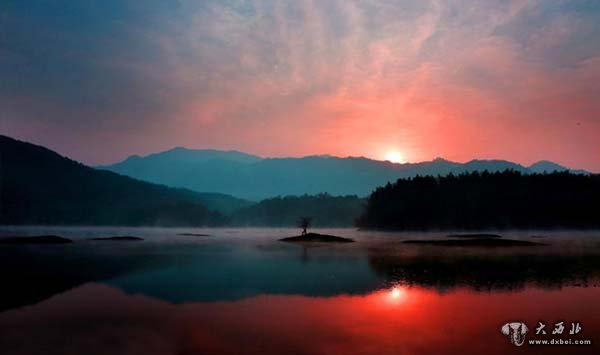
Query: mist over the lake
x,y
307,177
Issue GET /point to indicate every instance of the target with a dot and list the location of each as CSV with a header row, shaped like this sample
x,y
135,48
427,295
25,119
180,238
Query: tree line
x,y
323,209
486,200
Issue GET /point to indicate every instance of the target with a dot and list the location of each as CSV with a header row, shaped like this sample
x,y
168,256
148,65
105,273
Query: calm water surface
x,y
240,291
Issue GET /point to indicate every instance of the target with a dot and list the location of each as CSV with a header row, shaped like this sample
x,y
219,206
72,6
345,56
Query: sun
x,y
394,156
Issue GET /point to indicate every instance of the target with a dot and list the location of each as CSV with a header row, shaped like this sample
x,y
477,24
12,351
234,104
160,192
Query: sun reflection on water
x,y
397,294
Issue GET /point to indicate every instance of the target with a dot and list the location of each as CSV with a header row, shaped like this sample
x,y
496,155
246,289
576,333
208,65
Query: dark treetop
x,y
485,200
325,210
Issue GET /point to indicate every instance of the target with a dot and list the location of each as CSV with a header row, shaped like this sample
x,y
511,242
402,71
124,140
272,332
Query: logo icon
x,y
515,331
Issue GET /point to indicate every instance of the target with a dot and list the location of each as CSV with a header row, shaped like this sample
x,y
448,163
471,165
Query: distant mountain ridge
x,y
251,177
184,155
39,186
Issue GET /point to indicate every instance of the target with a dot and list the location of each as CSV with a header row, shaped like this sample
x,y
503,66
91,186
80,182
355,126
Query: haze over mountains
x,y
41,187
38,186
255,178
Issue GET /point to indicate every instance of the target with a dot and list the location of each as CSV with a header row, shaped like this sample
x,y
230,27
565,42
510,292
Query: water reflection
x,y
100,319
232,268
238,293
489,271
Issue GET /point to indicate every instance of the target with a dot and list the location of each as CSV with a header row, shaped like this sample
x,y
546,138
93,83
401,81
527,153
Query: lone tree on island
x,y
304,223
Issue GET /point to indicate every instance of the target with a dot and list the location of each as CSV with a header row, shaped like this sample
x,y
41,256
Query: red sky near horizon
x,y
515,80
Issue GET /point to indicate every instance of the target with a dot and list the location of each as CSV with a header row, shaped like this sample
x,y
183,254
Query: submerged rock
x,y
126,238
38,239
319,238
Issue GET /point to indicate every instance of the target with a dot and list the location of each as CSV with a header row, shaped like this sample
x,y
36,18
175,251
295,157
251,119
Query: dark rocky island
x,y
475,235
475,242
126,238
39,239
317,238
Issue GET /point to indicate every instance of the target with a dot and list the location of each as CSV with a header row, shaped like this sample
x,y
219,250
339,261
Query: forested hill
x,y
324,210
486,201
38,186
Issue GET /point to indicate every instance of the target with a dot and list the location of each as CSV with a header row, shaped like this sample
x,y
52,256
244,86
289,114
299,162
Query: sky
x,y
460,79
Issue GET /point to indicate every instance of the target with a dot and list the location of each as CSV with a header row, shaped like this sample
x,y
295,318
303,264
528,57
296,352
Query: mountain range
x,y
254,178
38,186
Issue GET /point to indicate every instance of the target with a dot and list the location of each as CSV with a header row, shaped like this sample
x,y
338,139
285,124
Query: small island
x,y
475,242
317,238
475,235
38,239
126,238
193,235
306,237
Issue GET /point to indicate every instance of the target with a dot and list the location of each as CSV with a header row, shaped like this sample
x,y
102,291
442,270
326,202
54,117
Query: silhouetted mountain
x,y
545,166
178,166
38,186
508,199
325,210
254,178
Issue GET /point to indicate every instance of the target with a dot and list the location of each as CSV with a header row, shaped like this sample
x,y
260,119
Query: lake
x,y
241,291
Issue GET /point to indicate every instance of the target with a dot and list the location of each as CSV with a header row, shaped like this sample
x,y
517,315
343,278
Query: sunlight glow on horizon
x,y
402,80
395,157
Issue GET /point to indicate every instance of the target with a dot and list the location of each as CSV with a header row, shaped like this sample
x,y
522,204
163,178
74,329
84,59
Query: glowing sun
x,y
394,156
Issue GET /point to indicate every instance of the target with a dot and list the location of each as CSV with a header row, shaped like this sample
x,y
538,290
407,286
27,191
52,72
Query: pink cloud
x,y
458,79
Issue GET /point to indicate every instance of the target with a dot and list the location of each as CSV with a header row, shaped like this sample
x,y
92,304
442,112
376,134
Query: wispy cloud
x,y
461,79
